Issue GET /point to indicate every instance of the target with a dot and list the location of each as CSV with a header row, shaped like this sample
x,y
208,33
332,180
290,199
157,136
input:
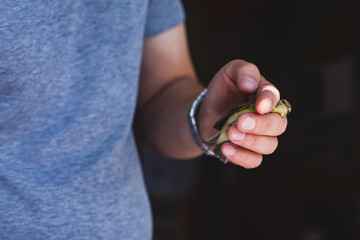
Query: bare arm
x,y
168,85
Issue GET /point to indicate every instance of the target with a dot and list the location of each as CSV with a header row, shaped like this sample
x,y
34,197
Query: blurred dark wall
x,y
309,189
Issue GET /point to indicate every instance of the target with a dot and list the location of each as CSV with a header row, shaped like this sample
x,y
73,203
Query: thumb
x,y
267,96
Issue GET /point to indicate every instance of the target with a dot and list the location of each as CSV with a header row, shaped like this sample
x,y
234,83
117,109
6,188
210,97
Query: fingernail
x,y
249,83
248,124
229,150
266,105
237,135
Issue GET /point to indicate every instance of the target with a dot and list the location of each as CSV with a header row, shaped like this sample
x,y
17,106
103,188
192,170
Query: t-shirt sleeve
x,y
163,15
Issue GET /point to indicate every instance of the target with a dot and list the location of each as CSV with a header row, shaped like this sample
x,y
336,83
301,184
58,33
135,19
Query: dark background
x,y
309,189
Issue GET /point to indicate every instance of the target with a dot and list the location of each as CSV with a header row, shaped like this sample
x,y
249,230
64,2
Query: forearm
x,y
163,120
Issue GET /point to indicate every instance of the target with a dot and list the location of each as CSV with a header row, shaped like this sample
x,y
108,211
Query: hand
x,y
255,134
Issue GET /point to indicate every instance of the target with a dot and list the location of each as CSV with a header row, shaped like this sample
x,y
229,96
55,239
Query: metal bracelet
x,y
193,127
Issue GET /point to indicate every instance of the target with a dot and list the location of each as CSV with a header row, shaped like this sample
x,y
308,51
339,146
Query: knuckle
x,y
258,162
236,61
252,141
253,162
250,66
242,67
280,124
272,146
244,160
283,126
266,125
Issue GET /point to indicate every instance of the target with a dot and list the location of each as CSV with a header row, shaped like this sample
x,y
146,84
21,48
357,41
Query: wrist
x,y
204,123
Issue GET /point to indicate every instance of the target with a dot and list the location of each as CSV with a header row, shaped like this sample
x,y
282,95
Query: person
x,y
69,92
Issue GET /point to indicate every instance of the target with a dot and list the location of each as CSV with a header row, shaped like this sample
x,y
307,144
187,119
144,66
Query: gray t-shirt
x,y
69,72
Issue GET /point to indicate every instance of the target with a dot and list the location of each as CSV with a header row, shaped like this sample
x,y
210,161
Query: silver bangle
x,y
193,127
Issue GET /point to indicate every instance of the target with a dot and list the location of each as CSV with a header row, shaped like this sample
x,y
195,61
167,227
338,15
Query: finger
x,y
271,124
245,75
256,143
241,156
267,96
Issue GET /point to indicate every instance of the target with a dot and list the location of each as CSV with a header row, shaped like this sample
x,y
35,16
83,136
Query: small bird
x,y
283,107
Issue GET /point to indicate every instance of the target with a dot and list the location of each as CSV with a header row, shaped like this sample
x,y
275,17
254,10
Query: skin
x,y
168,86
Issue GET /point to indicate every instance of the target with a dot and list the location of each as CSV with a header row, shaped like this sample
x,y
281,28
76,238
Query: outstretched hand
x,y
255,134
